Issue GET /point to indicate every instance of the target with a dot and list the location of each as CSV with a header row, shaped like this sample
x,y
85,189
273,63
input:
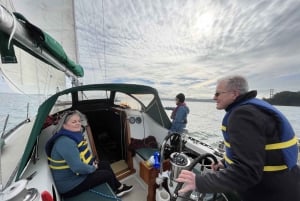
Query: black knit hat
x,y
180,97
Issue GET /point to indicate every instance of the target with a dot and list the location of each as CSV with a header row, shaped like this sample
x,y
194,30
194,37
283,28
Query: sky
x,y
187,45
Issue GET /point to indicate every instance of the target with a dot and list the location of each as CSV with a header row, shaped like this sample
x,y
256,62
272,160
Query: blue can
x,y
156,164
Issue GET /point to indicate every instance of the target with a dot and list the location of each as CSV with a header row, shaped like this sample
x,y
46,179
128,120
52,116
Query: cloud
x,y
187,45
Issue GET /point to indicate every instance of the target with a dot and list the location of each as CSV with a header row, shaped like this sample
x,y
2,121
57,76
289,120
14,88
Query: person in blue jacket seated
x,y
261,152
72,165
179,115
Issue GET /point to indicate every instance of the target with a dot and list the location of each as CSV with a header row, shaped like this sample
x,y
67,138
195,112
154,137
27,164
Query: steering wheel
x,y
174,144
202,159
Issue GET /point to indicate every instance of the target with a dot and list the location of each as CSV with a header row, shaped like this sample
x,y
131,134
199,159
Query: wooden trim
x,y
128,141
149,174
125,173
92,142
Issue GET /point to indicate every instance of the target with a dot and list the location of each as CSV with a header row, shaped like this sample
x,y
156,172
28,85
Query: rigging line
x,y
12,5
98,36
104,46
11,82
48,83
45,86
74,26
91,27
37,76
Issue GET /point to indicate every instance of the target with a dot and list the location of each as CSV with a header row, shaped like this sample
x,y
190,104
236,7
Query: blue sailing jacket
x,y
179,118
288,141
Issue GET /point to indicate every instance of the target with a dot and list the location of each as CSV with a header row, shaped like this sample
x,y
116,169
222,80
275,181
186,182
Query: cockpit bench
x,y
146,153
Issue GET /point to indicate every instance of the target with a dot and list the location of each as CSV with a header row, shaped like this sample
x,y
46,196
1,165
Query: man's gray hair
x,y
236,82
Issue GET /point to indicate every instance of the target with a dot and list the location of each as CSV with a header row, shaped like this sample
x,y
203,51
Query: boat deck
x,y
13,151
138,192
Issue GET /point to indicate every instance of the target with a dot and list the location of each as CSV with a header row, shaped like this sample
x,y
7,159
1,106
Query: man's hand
x,y
217,166
189,178
95,164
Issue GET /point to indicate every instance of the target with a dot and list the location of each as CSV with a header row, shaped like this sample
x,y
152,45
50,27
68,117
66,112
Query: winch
x,y
18,192
178,161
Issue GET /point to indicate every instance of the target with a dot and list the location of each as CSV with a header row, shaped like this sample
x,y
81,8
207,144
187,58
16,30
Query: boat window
x,y
89,95
63,102
133,101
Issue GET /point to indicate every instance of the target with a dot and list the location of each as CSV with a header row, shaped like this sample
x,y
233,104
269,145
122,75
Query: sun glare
x,y
204,23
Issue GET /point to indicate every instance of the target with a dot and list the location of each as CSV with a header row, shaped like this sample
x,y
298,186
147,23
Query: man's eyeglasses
x,y
219,93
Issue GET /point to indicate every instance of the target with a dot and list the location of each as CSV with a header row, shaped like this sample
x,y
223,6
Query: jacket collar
x,y
241,98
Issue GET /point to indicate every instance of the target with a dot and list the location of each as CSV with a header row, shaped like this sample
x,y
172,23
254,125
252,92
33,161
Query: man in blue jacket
x,y
260,161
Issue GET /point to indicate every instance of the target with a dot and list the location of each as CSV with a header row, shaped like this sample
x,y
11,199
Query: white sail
x,y
30,75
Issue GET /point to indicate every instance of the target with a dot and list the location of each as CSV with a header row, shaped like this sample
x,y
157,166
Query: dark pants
x,y
103,174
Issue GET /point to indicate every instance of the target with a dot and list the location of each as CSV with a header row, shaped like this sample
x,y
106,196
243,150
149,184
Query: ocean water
x,y
204,120
18,107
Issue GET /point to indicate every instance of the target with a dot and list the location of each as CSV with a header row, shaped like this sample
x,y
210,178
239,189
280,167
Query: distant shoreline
x,y
285,98
191,99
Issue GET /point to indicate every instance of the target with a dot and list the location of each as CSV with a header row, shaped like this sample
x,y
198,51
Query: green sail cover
x,y
58,52
42,40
